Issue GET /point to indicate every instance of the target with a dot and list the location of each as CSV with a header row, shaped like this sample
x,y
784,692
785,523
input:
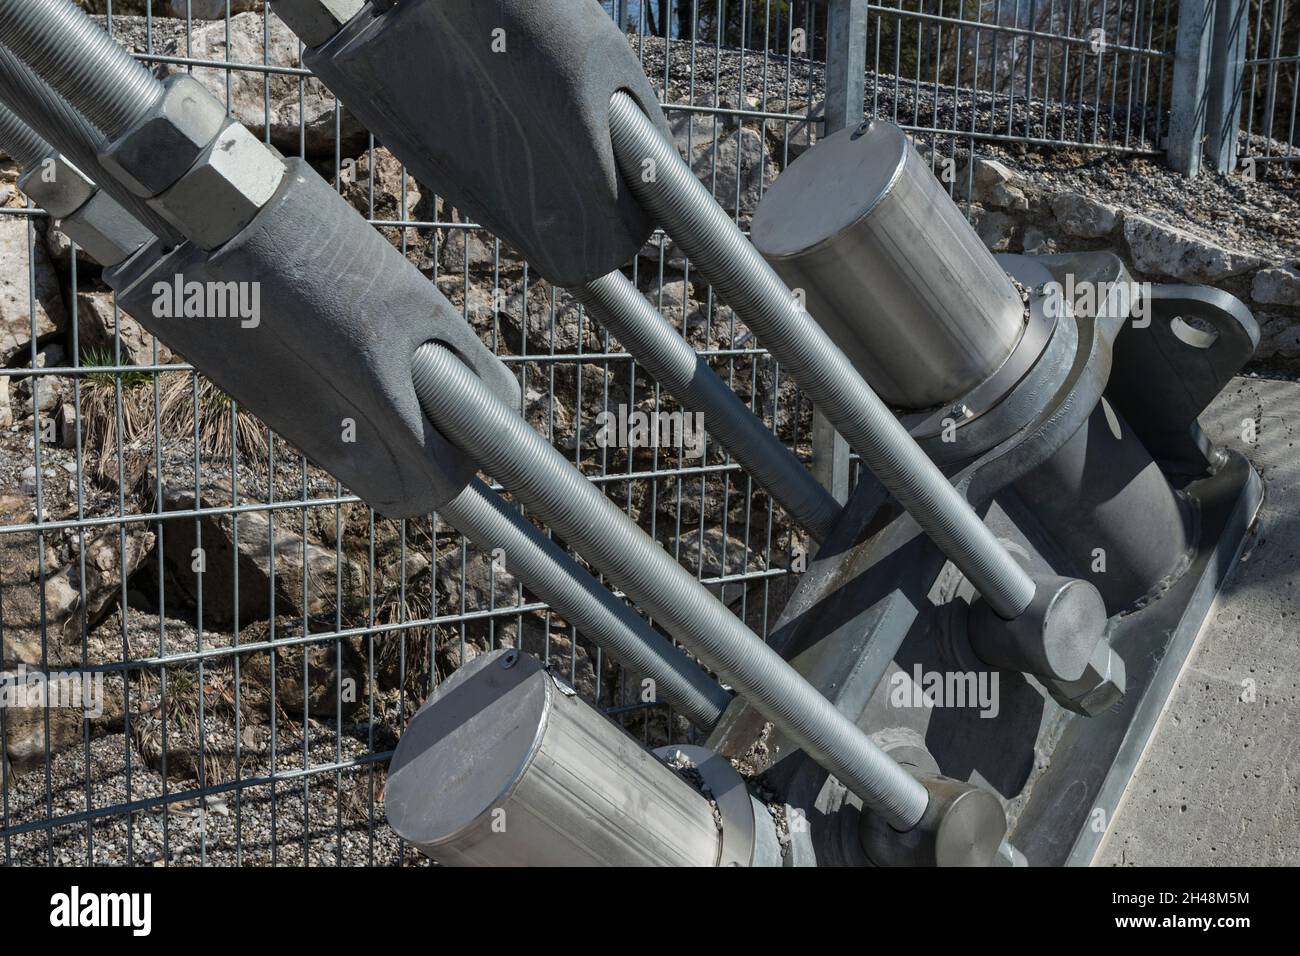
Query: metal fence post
x,y
846,67
1191,74
1226,83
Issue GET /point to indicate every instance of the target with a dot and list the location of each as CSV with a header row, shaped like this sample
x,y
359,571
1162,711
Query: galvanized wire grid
x,y
256,704
1272,79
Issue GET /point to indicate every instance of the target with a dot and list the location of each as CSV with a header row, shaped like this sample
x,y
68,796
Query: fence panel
x,y
1269,88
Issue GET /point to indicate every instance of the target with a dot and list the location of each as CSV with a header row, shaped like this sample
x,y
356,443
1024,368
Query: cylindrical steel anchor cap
x,y
505,766
889,267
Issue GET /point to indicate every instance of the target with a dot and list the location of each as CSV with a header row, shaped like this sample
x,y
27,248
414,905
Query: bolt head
x,y
224,191
105,230
169,141
1099,689
57,186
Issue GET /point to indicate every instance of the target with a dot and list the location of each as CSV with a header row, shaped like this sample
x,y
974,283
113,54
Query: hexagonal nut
x,y
224,191
159,150
316,21
57,186
105,230
1099,689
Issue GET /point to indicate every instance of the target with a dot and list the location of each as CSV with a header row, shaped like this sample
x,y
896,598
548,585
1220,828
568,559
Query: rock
x,y
335,677
65,424
484,586
1037,243
662,247
787,140
17,322
738,153
476,244
550,415
99,324
6,409
715,556
994,184
454,654
259,544
248,87
1279,286
42,395
670,295
548,324
63,611
1083,217
72,700
996,229
386,194
1010,197
1160,249
1279,338
59,248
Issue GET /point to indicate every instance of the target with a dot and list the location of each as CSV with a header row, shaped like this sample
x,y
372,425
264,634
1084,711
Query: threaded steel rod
x,y
481,515
68,132
61,44
668,189
615,302
21,142
498,439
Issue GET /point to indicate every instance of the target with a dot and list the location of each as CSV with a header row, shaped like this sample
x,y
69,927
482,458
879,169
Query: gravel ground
x,y
263,824
760,82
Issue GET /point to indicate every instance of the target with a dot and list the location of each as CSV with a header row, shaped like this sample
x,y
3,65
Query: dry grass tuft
x,y
101,393
223,427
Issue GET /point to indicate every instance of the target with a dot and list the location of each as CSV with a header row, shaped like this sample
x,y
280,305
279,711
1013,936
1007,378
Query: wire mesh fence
x,y
1272,77
220,644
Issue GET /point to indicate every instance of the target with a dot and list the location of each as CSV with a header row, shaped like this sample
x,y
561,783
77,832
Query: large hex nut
x,y
1099,689
224,191
105,230
159,150
57,186
316,21
1054,638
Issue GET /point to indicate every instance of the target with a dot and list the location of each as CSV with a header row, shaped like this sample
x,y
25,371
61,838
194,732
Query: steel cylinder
x,y
889,267
506,766
1111,511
